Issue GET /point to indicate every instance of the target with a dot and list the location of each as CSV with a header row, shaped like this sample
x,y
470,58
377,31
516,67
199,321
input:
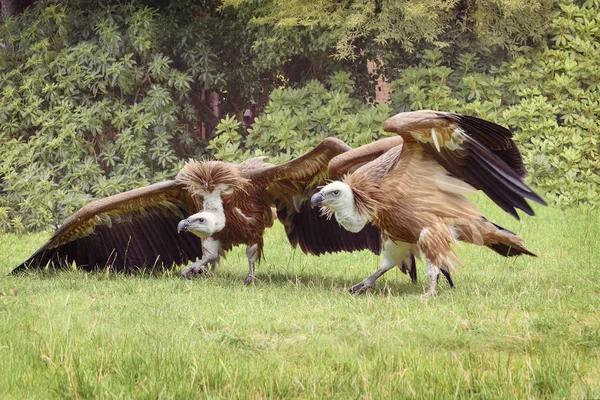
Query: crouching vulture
x,y
412,188
138,229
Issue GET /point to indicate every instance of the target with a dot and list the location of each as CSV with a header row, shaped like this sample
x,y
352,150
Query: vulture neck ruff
x,y
214,204
351,219
346,212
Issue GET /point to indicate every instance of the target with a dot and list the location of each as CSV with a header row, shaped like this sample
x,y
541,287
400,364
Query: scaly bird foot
x,y
204,272
184,275
431,292
191,271
360,288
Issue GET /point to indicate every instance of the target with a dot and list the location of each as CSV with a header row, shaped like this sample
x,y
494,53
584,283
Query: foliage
x,y
93,103
391,33
295,120
550,98
97,98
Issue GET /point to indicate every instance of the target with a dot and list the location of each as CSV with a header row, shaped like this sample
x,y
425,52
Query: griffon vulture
x,y
139,228
411,187
253,187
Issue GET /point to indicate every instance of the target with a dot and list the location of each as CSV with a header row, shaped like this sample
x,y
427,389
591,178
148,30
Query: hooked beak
x,y
183,225
316,200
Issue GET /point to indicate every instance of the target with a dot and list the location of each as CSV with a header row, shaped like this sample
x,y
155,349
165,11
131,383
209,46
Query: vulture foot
x,y
360,288
194,269
431,290
249,279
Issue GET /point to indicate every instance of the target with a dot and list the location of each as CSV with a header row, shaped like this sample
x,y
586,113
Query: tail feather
x,y
509,251
507,243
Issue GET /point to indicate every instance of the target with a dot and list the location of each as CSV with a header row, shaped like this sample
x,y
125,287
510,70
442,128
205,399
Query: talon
x,y
185,275
204,272
359,288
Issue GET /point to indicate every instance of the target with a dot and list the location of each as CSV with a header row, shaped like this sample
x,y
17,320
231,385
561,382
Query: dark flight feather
x,y
126,232
318,235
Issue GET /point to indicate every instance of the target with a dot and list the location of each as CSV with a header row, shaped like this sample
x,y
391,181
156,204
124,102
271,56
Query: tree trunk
x,y
8,8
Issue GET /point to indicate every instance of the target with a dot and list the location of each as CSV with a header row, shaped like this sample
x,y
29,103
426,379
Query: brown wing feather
x,y
348,161
305,168
366,180
290,185
130,230
318,235
476,151
378,169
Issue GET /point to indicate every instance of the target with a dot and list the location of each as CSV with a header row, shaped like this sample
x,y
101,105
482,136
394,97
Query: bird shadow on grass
x,y
393,286
388,287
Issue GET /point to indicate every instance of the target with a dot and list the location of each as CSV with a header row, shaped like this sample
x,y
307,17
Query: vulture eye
x,y
336,192
201,220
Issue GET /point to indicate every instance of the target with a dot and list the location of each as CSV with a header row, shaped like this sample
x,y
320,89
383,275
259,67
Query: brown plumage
x,y
139,228
131,230
412,187
255,187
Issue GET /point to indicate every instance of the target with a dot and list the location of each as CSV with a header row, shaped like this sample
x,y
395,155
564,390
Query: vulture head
x,y
202,224
338,199
336,196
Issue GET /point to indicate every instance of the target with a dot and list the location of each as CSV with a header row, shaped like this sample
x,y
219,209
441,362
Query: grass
x,y
512,328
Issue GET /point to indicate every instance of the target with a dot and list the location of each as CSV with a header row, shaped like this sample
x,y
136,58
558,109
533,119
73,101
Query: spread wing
x,y
375,171
351,160
473,150
130,230
308,168
316,234
289,187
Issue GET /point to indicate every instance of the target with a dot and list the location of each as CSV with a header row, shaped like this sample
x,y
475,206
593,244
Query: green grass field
x,y
512,328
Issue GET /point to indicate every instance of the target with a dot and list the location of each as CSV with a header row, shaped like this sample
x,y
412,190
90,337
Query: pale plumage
x,y
412,187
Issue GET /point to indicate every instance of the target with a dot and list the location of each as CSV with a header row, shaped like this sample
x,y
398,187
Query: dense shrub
x,y
550,98
96,99
295,120
93,103
390,32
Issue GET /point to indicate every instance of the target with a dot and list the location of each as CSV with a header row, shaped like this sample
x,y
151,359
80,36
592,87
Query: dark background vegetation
x,y
101,97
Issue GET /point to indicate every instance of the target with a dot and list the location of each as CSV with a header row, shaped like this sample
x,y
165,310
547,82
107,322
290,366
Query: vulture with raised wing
x,y
412,188
253,187
138,229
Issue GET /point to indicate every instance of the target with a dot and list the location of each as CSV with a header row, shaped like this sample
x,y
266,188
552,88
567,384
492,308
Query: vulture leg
x,y
434,272
210,255
448,277
394,253
252,254
434,243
